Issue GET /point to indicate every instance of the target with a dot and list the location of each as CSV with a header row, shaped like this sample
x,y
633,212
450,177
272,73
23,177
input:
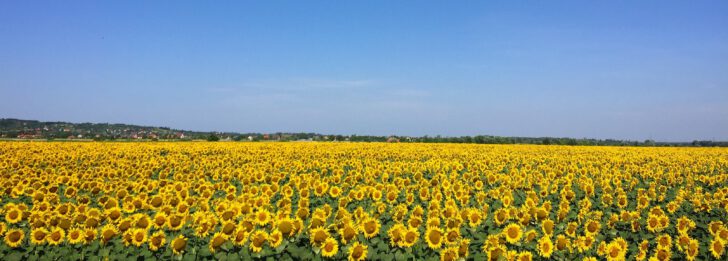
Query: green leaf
x,y
14,256
204,252
221,256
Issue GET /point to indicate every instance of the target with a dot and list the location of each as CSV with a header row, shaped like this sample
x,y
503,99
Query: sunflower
x,y
494,252
452,236
318,236
434,236
591,228
571,229
14,237
334,191
262,217
722,234
714,227
56,236
525,256
500,216
3,228
348,232
138,236
475,217
545,247
684,224
395,234
513,233
257,239
108,232
449,254
329,248
113,214
76,236
370,227
653,223
125,224
529,235
614,251
178,244
562,243
664,241
38,236
241,236
157,240
159,220
358,252
275,238
464,248
692,250
584,243
89,234
717,248
286,226
14,215
409,237
228,228
547,227
217,240
176,221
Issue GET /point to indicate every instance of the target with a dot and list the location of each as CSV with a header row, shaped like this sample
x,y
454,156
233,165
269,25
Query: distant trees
x,y
213,137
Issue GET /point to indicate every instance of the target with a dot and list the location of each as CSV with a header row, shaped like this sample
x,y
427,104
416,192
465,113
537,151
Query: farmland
x,y
356,201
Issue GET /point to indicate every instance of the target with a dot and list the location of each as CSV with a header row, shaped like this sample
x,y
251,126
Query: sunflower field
x,y
360,201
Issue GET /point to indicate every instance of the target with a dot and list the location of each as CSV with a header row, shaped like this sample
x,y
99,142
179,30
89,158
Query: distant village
x,y
29,129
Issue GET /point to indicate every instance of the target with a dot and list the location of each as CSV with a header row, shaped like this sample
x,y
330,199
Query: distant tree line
x,y
28,129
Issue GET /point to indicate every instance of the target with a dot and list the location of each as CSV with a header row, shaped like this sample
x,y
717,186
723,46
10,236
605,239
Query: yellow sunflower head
x,y
56,236
717,248
449,254
370,227
275,238
159,220
286,226
13,215
591,228
14,237
547,227
545,247
434,236
157,240
241,236
178,244
138,236
513,233
348,232
330,247
262,217
452,236
358,252
257,239
217,240
38,236
89,234
318,236
108,232
410,237
76,236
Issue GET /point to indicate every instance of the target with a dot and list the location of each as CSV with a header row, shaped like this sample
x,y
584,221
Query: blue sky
x,y
612,69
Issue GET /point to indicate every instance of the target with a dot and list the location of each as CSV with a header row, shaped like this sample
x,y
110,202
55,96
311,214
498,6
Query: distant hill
x,y
31,129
